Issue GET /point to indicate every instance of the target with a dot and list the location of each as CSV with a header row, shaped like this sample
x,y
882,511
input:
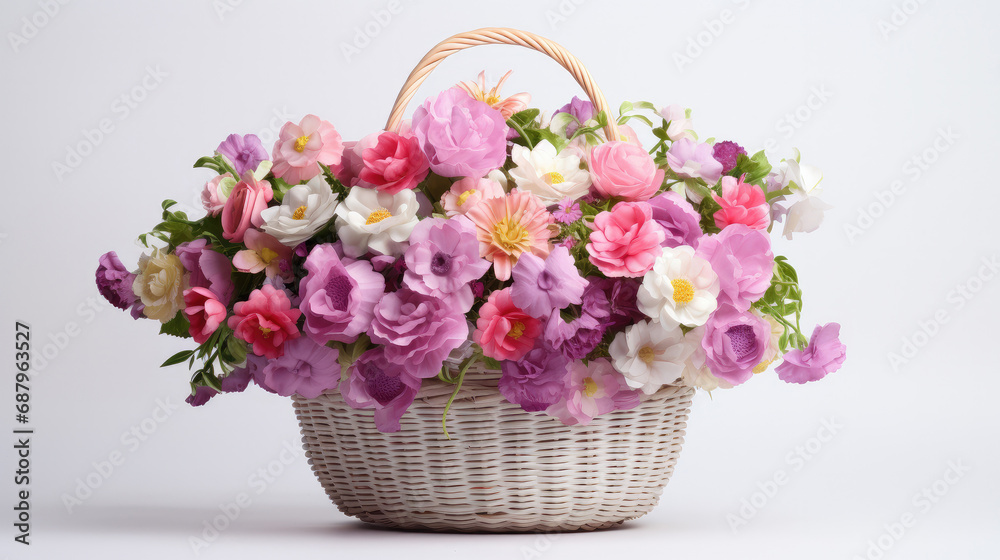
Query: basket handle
x,y
499,36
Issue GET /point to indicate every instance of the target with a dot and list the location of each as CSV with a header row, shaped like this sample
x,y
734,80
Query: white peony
x,y
371,220
649,356
304,210
549,175
680,289
696,373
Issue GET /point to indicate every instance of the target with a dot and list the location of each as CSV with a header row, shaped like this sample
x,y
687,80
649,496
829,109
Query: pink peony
x,y
376,383
204,312
825,354
266,321
626,240
461,136
504,331
466,194
301,147
212,196
734,343
243,207
742,203
591,390
743,260
306,368
691,160
624,170
394,163
443,260
264,253
418,331
338,295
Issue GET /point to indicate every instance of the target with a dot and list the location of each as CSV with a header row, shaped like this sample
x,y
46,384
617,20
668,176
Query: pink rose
x,y
626,240
266,321
242,210
204,312
461,136
624,170
504,331
300,147
393,164
742,203
211,197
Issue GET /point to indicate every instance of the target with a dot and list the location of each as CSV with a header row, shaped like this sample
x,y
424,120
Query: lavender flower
x,y
568,211
541,286
680,221
582,109
419,331
443,259
825,354
376,383
535,381
244,152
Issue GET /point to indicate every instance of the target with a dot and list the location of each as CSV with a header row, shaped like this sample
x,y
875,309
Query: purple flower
x,y
575,339
114,281
743,260
541,286
681,222
305,369
568,211
244,152
374,382
582,109
209,268
201,395
443,259
693,160
727,153
619,304
734,343
535,381
237,381
825,354
338,296
461,136
255,369
418,331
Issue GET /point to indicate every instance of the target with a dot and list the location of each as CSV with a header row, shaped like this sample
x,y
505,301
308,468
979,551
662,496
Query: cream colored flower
x,y
160,284
649,356
680,289
304,210
550,175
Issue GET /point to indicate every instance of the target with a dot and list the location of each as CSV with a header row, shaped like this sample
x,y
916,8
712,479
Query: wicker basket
x,y
504,470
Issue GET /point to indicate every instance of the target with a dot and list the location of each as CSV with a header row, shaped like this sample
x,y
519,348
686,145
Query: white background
x,y
887,94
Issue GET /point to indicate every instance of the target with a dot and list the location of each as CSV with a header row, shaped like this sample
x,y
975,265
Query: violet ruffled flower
x,y
418,331
734,343
374,382
201,395
443,260
743,260
582,109
613,299
535,381
338,295
824,354
727,153
237,381
543,285
255,369
305,369
114,281
244,152
209,268
681,222
461,136
574,339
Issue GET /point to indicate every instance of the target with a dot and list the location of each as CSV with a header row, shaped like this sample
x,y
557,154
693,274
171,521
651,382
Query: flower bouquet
x,y
550,263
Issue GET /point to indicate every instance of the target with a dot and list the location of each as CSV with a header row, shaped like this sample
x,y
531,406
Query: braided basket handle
x,y
499,36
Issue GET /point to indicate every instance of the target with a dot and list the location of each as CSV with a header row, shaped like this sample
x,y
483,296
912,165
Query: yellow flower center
x,y
623,138
554,178
759,368
492,100
300,213
647,354
683,290
377,216
589,386
265,331
465,196
267,255
511,236
300,143
516,330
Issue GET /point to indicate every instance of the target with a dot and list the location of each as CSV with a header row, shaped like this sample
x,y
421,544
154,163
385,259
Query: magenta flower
x,y
693,160
301,147
613,299
541,285
591,390
734,343
626,240
568,211
204,312
743,260
338,295
443,260
461,136
201,395
418,331
209,268
575,339
680,221
237,381
503,330
741,203
375,382
825,354
306,369
244,152
114,281
393,163
535,381
727,153
266,321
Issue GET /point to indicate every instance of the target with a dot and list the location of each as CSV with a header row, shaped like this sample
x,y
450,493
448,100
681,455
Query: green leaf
x,y
237,350
558,141
280,187
178,326
491,363
625,107
178,358
524,118
168,203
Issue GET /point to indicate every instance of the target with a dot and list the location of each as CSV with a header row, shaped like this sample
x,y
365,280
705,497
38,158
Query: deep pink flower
x,y
338,295
461,136
742,203
825,354
626,240
690,159
393,163
443,260
301,147
727,153
375,382
624,170
243,207
734,343
681,223
305,368
266,321
418,331
504,331
204,312
114,281
743,260
592,390
208,267
541,285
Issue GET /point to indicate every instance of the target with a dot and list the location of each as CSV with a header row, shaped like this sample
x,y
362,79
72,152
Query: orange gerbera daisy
x,y
507,107
510,226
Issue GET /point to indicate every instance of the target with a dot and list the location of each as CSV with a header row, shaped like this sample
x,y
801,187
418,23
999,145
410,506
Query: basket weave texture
x,y
504,470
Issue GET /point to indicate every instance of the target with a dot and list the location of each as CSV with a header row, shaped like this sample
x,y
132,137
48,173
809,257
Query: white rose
x,y
549,175
371,220
304,210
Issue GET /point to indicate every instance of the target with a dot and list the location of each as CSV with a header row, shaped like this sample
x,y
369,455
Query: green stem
x,y
662,142
451,399
520,131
